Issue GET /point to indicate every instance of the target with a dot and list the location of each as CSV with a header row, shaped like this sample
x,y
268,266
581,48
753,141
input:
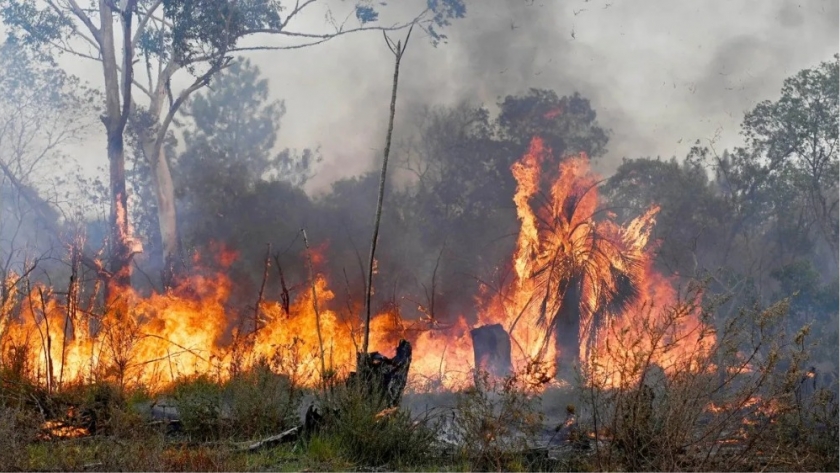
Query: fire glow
x,y
564,245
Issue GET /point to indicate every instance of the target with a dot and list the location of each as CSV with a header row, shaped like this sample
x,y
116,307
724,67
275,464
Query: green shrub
x,y
199,404
361,430
253,403
18,429
261,402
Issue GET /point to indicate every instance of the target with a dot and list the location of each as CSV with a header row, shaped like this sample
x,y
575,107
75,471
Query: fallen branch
x,y
288,436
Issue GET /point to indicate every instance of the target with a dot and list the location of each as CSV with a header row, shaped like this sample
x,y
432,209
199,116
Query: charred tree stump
x,y
382,377
312,421
491,348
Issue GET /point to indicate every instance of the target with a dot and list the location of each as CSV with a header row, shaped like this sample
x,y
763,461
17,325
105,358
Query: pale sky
x,y
660,73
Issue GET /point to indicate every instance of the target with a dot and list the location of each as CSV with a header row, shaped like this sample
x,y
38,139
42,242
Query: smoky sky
x,y
660,73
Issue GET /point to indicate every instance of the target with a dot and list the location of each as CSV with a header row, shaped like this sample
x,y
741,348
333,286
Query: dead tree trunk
x,y
568,331
382,380
491,348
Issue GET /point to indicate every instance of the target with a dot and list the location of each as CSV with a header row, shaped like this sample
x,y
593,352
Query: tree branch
x,y
182,97
74,7
141,26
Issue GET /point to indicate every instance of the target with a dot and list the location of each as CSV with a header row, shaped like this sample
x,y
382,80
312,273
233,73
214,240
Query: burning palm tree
x,y
579,270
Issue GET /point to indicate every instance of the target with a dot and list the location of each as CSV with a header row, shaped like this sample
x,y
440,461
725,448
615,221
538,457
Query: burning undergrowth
x,y
578,275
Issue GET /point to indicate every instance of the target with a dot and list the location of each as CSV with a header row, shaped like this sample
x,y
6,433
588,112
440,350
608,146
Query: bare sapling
x,y
398,50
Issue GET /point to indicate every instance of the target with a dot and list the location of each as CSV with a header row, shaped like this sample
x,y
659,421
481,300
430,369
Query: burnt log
x,y
491,349
383,378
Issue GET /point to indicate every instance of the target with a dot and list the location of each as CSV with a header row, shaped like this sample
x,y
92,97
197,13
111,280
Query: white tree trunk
x,y
162,177
165,200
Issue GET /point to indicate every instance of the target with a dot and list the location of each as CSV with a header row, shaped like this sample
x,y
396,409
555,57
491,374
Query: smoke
x,y
747,67
660,74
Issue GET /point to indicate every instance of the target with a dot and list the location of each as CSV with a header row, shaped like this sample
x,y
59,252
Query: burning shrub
x,y
97,407
732,406
495,421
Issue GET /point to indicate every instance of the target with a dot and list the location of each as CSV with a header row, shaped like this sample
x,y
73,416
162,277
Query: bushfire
x,y
579,278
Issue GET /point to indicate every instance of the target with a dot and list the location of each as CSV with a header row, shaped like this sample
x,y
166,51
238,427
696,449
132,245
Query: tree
x,y
692,215
568,125
231,183
460,169
51,27
783,183
462,156
457,215
397,49
460,200
171,36
585,268
236,122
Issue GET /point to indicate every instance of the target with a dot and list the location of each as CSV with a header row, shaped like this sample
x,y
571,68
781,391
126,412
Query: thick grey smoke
x,y
660,73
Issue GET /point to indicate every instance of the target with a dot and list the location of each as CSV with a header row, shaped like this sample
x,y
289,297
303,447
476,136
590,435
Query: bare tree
x,y
398,50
